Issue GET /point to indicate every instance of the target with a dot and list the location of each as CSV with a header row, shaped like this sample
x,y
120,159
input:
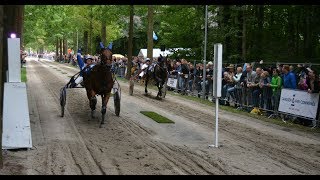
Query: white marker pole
x,y
217,84
14,61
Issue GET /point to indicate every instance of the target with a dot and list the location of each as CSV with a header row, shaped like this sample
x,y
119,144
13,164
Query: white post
x,y
204,55
14,61
16,122
217,85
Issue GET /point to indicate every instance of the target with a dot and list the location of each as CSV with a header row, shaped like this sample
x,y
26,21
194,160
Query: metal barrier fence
x,y
264,99
254,100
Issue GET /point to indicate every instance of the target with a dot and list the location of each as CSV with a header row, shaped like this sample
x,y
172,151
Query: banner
x,y
155,37
172,82
299,103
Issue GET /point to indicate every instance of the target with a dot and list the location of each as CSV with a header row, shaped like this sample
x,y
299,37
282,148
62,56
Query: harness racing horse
x,y
100,82
159,74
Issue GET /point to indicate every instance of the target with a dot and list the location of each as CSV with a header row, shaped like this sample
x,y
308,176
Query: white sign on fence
x,y
172,82
299,103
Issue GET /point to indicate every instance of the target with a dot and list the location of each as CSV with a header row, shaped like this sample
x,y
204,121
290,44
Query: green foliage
x,y
248,32
23,74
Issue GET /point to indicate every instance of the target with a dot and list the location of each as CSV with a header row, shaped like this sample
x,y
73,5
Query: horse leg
x,y
146,84
160,86
160,89
105,99
92,101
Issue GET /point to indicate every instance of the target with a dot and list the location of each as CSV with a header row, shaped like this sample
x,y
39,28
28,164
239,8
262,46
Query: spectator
x,y
266,92
251,75
313,87
276,84
183,76
255,87
229,84
312,81
199,75
209,81
23,56
192,71
289,79
236,81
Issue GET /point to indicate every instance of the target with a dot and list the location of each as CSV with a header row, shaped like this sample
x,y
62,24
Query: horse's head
x,y
163,61
106,56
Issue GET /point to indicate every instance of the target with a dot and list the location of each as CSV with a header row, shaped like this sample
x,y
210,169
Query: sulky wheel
x,y
63,97
116,98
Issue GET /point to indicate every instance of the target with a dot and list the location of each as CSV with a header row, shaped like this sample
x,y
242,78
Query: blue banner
x,y
155,37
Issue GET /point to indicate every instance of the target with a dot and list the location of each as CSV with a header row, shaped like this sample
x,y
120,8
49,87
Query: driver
x,y
85,67
144,68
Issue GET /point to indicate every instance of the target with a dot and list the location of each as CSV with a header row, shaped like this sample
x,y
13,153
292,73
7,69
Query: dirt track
x,y
134,144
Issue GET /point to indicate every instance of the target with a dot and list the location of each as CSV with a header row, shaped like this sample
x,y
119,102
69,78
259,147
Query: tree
x,y
2,70
8,24
150,32
130,43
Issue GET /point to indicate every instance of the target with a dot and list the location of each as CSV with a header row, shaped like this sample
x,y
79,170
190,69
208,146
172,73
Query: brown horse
x,y
100,82
159,75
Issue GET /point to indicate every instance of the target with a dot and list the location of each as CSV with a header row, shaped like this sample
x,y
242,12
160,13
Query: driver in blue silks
x,y
85,66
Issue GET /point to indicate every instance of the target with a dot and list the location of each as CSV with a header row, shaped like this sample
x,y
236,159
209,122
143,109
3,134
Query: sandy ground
x,y
134,144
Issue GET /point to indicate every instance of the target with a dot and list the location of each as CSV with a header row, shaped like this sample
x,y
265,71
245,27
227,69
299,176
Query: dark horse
x,y
159,74
100,82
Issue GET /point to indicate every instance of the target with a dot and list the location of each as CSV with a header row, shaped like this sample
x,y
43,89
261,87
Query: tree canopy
x,y
286,33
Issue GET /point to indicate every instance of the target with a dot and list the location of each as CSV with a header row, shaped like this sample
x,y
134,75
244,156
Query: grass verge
x,y
23,74
156,117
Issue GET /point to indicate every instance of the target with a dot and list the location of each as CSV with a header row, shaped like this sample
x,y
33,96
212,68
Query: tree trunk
x,y
103,30
57,50
2,71
260,33
224,26
297,35
150,32
85,42
9,15
60,41
90,32
290,34
74,44
20,24
244,31
307,37
65,46
129,65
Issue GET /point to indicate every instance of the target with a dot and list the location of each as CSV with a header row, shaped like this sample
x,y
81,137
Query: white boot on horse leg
x,y
93,103
104,109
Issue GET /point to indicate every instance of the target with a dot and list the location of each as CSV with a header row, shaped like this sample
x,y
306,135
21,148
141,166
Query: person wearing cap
x,y
144,68
85,67
209,81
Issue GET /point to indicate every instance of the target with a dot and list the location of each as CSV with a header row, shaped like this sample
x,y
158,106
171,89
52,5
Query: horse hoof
x,y
100,126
